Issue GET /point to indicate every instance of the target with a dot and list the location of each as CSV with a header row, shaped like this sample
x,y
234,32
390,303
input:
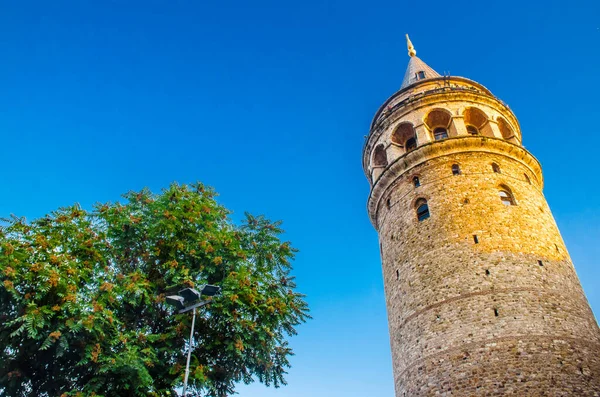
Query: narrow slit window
x,y
527,179
476,239
389,203
496,168
487,272
416,181
397,274
455,169
495,312
422,209
411,144
540,263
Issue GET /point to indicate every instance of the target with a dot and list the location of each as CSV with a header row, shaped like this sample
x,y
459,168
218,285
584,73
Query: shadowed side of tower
x,y
481,293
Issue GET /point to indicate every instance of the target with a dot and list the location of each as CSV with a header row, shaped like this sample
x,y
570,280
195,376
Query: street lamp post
x,y
185,302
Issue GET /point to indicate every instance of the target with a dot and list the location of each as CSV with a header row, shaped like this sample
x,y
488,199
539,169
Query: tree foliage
x,y
82,298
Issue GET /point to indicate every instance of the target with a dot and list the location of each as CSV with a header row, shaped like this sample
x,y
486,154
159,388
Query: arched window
x,y
472,130
422,209
455,169
438,121
506,130
404,136
440,133
477,122
496,168
416,181
411,144
527,179
380,157
506,195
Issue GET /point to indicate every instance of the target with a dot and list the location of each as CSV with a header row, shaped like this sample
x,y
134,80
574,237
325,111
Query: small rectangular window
x,y
420,75
487,272
440,133
495,312
540,263
476,239
455,169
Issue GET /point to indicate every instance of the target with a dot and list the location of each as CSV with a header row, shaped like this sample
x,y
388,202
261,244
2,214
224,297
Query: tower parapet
x,y
481,293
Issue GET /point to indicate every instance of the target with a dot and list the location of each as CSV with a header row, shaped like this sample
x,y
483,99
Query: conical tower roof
x,y
417,69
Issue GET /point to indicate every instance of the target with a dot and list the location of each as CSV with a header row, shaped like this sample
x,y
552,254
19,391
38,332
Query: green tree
x,y
82,299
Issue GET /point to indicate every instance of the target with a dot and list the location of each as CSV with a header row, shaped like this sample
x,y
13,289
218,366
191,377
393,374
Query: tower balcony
x,y
434,109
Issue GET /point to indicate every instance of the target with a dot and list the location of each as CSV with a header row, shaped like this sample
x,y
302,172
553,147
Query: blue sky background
x,y
268,101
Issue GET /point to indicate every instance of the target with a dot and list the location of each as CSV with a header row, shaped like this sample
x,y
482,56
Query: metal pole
x,y
187,366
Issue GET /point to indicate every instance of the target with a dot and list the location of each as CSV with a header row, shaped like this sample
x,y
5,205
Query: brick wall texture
x,y
482,297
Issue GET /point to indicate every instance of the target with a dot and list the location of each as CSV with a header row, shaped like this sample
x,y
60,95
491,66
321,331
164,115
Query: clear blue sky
x,y
268,101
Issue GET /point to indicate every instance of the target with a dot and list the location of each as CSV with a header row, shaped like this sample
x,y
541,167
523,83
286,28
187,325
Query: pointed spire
x,y
411,49
416,69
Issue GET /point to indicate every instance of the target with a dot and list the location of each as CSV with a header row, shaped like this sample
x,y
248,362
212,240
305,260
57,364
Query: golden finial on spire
x,y
411,49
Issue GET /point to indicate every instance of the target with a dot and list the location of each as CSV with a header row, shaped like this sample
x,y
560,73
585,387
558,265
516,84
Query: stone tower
x,y
481,294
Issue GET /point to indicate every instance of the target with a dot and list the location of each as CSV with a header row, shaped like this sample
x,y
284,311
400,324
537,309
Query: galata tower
x,y
481,294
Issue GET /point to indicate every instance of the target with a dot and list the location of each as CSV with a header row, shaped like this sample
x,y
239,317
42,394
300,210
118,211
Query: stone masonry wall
x,y
497,314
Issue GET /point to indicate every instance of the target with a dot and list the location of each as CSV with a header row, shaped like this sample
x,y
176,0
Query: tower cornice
x,y
440,84
446,147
